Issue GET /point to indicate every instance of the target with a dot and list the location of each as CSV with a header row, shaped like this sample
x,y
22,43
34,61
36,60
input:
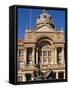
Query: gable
x,y
45,29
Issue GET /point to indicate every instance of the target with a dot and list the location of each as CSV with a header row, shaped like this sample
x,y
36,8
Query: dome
x,y
44,19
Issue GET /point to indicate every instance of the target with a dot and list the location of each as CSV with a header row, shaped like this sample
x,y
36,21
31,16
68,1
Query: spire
x,y
30,18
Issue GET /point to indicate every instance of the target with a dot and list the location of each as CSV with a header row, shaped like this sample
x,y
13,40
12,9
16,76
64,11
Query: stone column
x,y
37,56
33,55
32,77
42,57
18,52
64,74
56,75
52,56
24,77
25,55
55,55
63,56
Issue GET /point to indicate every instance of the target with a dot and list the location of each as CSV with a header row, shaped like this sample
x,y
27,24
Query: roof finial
x,y
62,29
45,11
30,18
26,29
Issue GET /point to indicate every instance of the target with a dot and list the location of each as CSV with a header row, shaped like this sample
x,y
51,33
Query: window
x,y
59,56
59,59
49,56
29,56
44,61
53,75
30,60
61,75
49,59
49,53
20,64
44,53
30,52
28,77
46,57
21,52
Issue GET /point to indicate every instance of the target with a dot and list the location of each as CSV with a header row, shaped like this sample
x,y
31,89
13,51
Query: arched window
x,y
46,57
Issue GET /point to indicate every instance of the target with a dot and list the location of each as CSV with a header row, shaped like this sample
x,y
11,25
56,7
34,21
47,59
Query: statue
x,y
38,75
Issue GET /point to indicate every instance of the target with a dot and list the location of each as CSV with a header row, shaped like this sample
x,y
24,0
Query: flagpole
x,y
30,19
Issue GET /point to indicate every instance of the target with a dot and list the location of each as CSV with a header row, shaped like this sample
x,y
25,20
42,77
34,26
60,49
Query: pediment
x,y
46,29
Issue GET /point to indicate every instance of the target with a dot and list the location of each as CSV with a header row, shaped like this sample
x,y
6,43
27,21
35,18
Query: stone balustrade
x,y
51,66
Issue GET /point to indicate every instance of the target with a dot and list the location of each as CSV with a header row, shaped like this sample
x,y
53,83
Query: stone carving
x,y
38,75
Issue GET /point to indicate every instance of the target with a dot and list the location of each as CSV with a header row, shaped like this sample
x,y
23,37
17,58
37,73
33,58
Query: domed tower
x,y
44,19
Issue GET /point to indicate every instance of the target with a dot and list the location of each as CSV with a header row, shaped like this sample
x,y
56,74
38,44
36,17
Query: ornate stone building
x,y
44,46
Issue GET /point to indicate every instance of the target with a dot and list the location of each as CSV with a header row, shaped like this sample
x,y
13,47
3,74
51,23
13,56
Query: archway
x,y
44,48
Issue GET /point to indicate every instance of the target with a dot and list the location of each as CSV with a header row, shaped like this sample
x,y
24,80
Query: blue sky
x,y
23,16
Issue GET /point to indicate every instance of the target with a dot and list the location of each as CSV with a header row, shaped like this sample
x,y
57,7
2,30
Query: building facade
x,y
44,46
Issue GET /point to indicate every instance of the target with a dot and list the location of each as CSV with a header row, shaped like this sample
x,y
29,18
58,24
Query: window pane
x,y
20,64
30,60
49,53
44,61
44,53
49,58
29,52
61,75
29,56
